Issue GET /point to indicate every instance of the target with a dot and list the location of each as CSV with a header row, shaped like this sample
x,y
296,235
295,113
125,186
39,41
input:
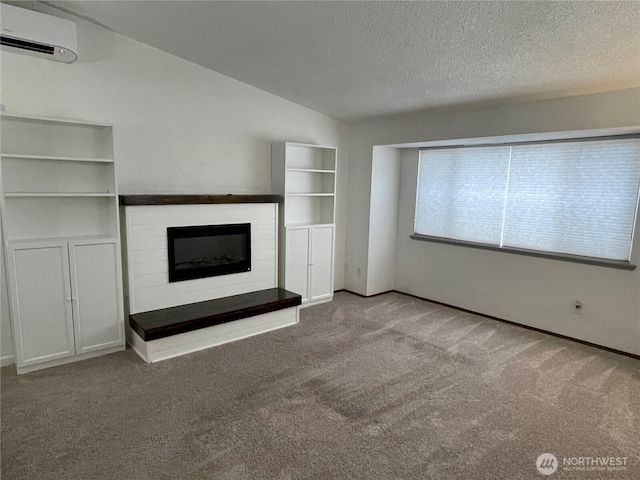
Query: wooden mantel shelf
x,y
135,200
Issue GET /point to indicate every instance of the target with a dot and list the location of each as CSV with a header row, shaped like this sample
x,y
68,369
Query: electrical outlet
x,y
578,307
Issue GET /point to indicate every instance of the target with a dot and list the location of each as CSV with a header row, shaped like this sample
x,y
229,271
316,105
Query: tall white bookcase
x,y
305,176
60,226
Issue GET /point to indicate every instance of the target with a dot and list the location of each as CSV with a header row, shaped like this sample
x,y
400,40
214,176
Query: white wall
x,y
178,127
383,215
527,290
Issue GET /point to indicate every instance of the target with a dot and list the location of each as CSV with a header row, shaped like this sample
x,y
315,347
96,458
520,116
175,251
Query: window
x,y
569,198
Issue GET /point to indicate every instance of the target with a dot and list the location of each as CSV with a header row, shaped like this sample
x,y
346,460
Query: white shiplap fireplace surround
x,y
145,219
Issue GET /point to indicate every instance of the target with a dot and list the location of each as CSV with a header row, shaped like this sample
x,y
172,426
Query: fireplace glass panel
x,y
206,251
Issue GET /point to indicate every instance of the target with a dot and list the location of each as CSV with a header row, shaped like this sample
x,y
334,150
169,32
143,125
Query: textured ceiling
x,y
361,59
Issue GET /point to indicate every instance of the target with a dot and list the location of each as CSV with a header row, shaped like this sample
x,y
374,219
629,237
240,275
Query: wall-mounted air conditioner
x,y
37,34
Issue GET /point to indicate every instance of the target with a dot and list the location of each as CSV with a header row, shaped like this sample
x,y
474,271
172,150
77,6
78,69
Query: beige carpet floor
x,y
389,387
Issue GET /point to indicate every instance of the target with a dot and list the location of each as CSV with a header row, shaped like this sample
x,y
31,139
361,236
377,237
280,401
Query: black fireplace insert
x,y
208,250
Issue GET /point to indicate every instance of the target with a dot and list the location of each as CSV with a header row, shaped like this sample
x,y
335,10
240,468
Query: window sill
x,y
529,253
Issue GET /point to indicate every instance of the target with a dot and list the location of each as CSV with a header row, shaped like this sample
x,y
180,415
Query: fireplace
x,y
208,251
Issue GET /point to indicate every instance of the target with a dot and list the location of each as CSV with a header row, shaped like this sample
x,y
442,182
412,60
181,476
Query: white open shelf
x,y
36,137
58,179
301,225
28,176
301,182
29,217
58,194
309,209
56,158
52,120
310,194
310,157
306,176
310,170
37,241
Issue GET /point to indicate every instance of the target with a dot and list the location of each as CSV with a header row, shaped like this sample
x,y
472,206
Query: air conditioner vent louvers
x,y
34,47
36,34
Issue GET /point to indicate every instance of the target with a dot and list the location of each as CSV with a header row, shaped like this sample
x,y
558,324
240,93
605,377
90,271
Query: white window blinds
x,y
570,197
461,193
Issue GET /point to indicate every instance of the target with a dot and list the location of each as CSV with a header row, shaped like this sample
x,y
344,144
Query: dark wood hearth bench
x,y
166,322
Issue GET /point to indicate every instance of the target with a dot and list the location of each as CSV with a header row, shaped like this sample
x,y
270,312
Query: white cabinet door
x,y
97,302
297,261
321,262
41,302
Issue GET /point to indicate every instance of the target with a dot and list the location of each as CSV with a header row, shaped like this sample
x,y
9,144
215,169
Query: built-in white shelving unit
x,y
305,175
61,233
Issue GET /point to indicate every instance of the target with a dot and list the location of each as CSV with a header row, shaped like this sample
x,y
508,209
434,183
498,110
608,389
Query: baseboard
x,y
510,322
70,359
317,302
368,296
7,360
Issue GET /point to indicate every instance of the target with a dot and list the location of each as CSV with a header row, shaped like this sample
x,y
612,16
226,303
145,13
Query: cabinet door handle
x,y
69,299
